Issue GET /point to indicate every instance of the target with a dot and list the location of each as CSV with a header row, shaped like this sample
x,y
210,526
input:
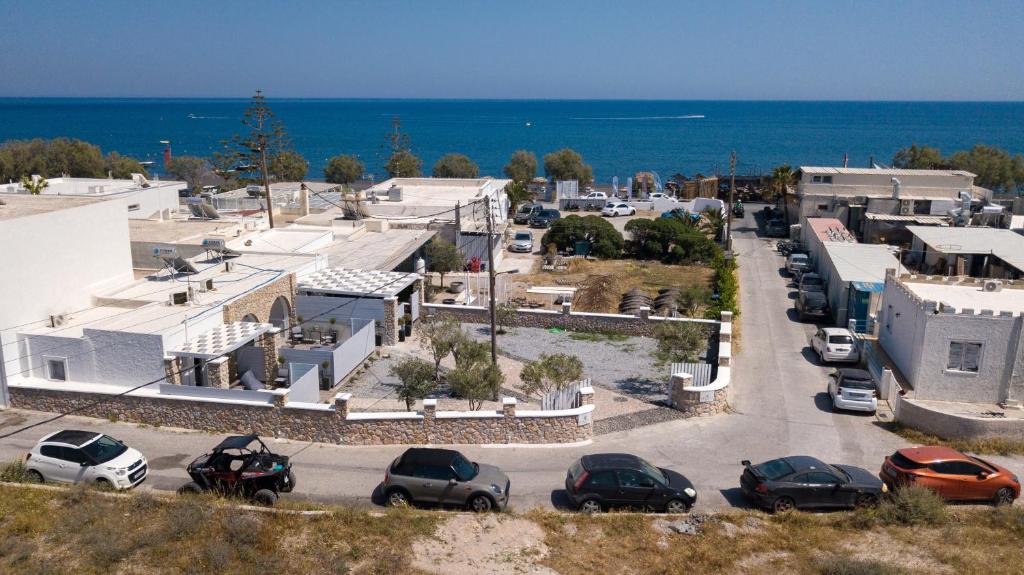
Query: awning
x,y
868,286
220,340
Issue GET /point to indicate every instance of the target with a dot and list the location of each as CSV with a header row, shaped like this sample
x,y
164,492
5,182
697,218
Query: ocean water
x,y
617,138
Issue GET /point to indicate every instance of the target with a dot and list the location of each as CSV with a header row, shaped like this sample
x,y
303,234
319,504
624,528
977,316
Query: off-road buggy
x,y
243,466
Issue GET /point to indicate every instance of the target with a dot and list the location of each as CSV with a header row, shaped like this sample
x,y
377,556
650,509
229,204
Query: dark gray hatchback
x,y
606,480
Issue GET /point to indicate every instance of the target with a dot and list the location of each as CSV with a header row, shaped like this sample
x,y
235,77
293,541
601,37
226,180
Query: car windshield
x,y
548,213
523,236
526,209
464,468
840,473
798,258
810,280
653,471
104,449
774,469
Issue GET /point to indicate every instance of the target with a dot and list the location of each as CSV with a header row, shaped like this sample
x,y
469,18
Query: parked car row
x,y
244,466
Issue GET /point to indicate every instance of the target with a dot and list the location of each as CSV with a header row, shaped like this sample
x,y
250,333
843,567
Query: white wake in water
x,y
686,117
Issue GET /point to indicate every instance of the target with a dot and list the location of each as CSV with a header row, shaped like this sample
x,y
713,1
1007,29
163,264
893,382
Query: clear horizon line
x,y
456,99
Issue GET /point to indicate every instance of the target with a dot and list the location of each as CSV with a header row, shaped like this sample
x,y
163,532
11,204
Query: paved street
x,y
780,409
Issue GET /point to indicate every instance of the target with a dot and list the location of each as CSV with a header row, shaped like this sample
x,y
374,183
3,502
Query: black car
x,y
544,218
776,229
801,481
811,304
241,465
525,212
606,480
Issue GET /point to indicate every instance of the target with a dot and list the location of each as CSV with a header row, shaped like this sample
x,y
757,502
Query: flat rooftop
x,y
95,187
969,295
866,263
24,205
143,306
882,171
441,192
830,230
377,250
322,195
187,231
1006,245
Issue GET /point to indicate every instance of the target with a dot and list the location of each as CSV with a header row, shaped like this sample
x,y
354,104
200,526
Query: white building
x,y
954,339
143,199
848,194
976,252
427,198
854,275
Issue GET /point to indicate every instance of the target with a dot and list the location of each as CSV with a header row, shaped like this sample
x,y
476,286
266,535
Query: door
x,y
827,490
79,466
943,480
604,485
972,484
859,304
51,464
430,483
635,488
817,340
250,358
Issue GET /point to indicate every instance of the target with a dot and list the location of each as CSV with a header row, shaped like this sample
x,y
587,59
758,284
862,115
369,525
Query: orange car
x,y
953,475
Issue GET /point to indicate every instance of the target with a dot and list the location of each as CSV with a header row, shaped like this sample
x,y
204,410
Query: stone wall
x,y
713,398
259,301
321,422
641,325
955,426
694,402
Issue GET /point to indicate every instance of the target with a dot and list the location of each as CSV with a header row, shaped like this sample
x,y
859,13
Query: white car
x,y
853,390
72,456
661,196
595,196
835,344
612,209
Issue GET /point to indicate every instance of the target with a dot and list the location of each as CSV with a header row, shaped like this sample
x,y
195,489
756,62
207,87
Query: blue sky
x,y
867,50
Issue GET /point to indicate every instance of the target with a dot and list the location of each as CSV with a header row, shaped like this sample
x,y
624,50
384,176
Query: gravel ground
x,y
624,365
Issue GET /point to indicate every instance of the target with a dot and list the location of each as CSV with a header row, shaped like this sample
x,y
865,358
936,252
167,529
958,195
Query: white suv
x,y
72,456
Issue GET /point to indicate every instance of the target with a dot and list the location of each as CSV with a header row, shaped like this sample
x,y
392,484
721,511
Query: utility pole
x,y
262,138
490,279
732,195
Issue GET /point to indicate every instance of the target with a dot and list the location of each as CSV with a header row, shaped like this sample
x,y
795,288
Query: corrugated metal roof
x,y
883,171
1006,245
861,262
924,220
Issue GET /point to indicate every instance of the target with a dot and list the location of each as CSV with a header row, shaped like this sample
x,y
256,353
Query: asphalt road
x,y
777,394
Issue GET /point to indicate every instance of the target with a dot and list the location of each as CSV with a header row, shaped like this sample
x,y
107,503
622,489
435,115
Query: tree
x,y
440,336
50,159
474,378
714,223
521,167
403,164
343,169
122,167
417,380
567,164
443,257
191,169
995,167
605,240
680,341
288,166
782,178
918,158
673,240
505,316
517,193
455,166
34,187
265,137
550,373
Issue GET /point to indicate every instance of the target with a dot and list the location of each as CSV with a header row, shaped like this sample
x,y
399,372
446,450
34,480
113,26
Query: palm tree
x,y
34,187
517,193
782,178
714,222
686,218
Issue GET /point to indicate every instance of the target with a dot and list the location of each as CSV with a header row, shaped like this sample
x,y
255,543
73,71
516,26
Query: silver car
x,y
444,477
521,242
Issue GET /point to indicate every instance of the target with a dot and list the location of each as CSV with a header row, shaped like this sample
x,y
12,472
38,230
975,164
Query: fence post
x,y
566,308
508,407
341,404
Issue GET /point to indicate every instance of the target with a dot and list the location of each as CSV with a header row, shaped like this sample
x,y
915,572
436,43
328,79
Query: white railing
x,y
565,398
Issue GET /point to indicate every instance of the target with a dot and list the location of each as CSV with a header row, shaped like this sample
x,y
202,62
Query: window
x,y
438,472
956,468
816,478
964,356
822,207
631,478
56,368
133,207
74,455
50,451
602,479
822,179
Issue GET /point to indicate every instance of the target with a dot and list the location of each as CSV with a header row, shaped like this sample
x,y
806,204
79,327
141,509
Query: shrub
x,y
605,240
15,472
680,341
726,286
912,505
840,565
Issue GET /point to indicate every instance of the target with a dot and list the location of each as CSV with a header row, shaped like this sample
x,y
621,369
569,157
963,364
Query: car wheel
x,y
398,498
590,506
35,477
1004,496
480,504
865,500
632,212
103,484
783,504
821,357
190,488
265,497
290,486
676,506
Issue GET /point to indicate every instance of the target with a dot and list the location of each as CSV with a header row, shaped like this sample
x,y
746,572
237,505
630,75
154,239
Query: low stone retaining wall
x,y
955,426
326,423
641,325
711,399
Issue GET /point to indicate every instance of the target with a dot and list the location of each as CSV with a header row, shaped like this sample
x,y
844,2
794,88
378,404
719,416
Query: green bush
x,y
670,240
726,285
605,240
912,505
15,472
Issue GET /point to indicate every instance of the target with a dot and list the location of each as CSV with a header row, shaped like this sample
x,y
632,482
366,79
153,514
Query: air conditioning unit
x,y
993,285
229,266
209,285
860,200
906,207
57,320
179,298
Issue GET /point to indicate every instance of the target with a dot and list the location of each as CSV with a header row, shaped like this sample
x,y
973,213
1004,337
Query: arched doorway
x,y
251,318
280,313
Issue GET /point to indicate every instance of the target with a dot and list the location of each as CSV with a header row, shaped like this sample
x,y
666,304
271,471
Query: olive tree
x,y
550,373
443,257
455,166
343,169
417,379
439,336
567,164
521,167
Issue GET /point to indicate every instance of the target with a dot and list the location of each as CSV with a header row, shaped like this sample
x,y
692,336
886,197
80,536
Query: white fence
x,y
566,398
701,372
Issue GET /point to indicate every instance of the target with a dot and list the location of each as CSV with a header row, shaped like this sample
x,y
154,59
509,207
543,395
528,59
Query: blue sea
x,y
617,138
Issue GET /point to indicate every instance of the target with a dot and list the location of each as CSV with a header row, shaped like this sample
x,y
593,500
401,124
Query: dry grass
x,y
989,446
629,274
